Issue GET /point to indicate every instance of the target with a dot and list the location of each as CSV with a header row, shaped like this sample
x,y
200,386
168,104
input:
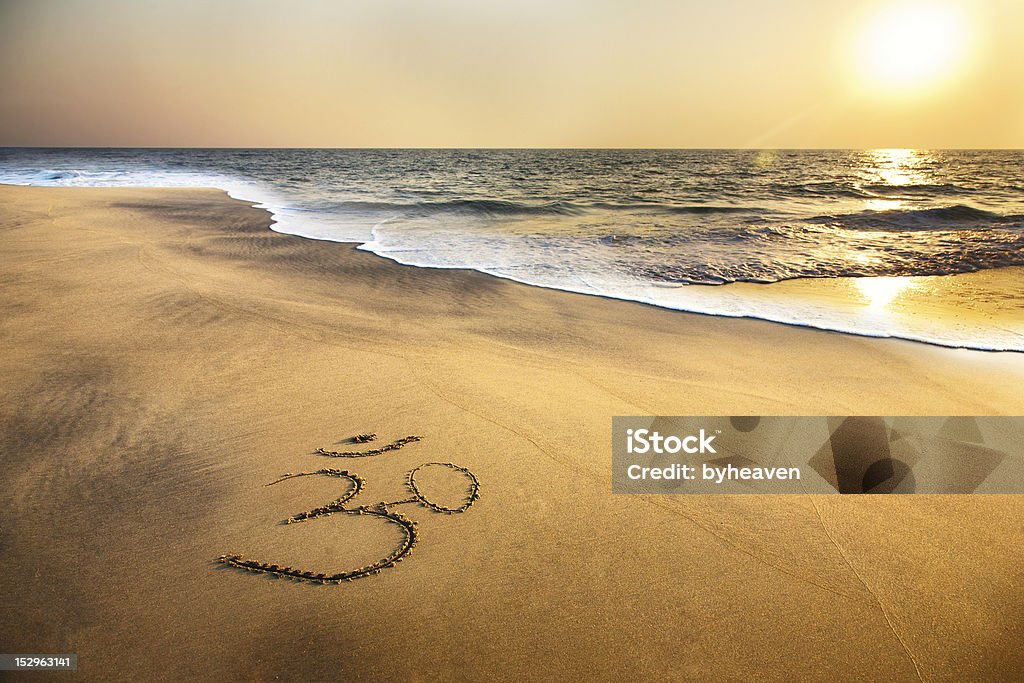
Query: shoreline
x,y
831,304
808,289
1004,280
167,356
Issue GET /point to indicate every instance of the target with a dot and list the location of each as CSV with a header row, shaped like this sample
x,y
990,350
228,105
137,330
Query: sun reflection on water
x,y
884,204
900,166
879,292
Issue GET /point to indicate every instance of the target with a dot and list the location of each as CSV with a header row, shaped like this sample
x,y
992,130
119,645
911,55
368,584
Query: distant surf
x,y
654,226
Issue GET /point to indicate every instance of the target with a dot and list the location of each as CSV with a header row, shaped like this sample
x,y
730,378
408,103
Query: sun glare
x,y
878,292
910,46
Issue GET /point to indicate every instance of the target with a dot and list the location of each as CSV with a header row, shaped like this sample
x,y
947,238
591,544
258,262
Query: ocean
x,y
672,228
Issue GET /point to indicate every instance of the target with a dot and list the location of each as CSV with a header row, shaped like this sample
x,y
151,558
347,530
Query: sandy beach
x,y
166,355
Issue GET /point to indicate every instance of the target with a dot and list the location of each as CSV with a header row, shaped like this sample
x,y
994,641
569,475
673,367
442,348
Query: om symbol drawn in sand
x,y
381,509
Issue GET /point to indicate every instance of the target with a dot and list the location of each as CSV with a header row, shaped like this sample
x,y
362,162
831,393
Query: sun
x,y
911,46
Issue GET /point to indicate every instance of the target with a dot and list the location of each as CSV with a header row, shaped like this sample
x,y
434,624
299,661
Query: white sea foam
x,y
601,279
630,249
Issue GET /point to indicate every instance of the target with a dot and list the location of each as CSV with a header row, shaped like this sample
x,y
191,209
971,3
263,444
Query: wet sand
x,y
980,310
165,356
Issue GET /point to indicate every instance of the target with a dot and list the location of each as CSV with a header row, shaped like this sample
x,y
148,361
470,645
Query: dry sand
x,y
165,355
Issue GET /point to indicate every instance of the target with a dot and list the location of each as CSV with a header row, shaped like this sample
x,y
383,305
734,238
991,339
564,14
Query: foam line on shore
x,y
714,300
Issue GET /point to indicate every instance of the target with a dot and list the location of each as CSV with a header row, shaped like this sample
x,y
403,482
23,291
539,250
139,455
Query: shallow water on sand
x,y
657,226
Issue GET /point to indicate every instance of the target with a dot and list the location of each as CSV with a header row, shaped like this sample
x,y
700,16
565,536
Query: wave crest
x,y
958,216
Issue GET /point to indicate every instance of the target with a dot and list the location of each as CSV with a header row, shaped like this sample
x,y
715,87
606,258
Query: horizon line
x,y
542,148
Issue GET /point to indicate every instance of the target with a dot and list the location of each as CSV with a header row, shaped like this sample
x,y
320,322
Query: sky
x,y
513,73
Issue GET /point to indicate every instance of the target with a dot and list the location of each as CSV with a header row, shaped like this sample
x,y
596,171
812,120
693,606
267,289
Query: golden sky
x,y
513,73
